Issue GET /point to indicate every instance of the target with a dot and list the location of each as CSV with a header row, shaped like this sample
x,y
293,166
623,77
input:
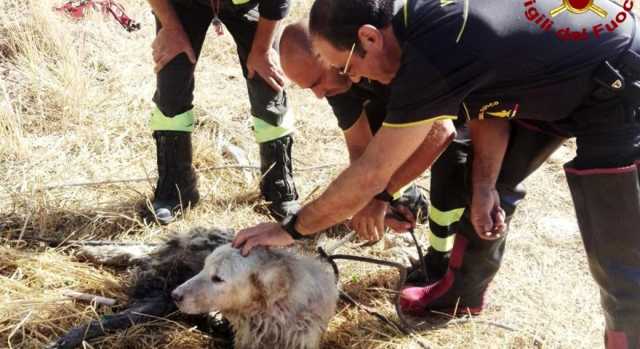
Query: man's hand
x,y
169,43
264,62
369,222
400,219
487,217
263,234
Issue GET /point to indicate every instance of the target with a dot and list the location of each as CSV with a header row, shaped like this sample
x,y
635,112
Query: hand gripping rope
x,y
76,9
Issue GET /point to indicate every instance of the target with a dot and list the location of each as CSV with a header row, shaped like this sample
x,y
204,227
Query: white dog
x,y
272,298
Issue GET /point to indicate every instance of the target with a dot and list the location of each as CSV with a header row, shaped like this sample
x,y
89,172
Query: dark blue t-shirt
x,y
501,58
366,96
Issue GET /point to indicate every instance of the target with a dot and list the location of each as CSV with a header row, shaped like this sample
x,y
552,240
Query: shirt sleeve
x,y
274,10
347,107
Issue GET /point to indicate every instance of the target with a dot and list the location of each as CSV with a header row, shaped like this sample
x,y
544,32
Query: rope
x,y
404,326
76,9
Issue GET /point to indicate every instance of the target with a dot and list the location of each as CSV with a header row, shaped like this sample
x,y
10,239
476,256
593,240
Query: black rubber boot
x,y
474,262
437,263
607,203
177,181
277,185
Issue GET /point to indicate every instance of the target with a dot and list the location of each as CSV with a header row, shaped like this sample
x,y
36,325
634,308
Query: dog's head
x,y
233,283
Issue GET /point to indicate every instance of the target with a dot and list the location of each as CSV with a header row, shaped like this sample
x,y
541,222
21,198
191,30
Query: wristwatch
x,y
289,223
384,196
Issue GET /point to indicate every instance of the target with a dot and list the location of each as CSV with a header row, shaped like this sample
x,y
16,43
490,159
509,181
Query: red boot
x,y
461,291
620,340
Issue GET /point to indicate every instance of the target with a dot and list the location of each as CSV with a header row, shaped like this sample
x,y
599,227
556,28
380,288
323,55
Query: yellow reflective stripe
x,y
441,244
265,132
181,122
465,17
466,110
240,2
406,13
421,122
445,218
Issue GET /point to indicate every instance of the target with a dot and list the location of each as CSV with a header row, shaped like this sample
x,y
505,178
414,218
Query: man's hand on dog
x,y
263,234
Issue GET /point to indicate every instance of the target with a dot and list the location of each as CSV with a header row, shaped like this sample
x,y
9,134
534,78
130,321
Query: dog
x,y
272,298
157,270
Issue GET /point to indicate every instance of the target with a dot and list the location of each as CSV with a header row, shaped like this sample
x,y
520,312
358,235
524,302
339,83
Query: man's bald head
x,y
302,66
296,51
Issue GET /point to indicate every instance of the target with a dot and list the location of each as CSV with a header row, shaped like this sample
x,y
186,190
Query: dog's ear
x,y
272,283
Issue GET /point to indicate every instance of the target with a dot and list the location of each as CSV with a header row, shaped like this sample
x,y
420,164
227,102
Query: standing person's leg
x,y
172,120
474,261
448,198
273,121
605,187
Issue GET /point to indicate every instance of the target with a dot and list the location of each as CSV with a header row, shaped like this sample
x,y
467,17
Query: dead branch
x,y
89,298
146,179
58,243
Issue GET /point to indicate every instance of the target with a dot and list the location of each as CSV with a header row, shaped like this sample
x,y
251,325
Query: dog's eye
x,y
216,279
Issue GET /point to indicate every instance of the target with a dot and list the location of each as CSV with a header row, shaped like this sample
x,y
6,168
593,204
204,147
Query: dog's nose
x,y
176,296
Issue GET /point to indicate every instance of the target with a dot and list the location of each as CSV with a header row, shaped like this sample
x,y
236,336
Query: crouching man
x,y
360,110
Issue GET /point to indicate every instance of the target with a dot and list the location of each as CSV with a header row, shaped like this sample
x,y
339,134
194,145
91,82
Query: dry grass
x,y
74,101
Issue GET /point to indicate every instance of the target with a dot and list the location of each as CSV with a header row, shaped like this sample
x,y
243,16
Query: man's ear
x,y
272,282
370,38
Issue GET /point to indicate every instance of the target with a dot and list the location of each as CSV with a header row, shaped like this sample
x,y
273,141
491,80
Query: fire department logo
x,y
609,22
578,7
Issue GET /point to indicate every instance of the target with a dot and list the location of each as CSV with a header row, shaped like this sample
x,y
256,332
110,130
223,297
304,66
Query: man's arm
x,y
490,138
370,222
353,189
171,39
358,137
438,139
261,58
166,14
360,182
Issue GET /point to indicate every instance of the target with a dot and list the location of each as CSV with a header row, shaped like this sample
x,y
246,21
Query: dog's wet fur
x,y
272,298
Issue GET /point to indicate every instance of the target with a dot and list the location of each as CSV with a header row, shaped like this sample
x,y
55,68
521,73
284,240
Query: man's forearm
x,y
265,35
358,137
348,194
166,14
439,138
355,152
490,138
367,176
